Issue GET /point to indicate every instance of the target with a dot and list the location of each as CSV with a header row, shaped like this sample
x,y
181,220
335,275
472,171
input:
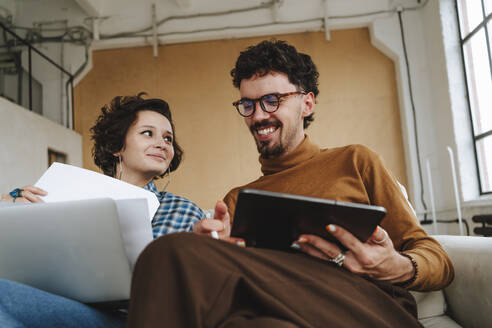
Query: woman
x,y
134,141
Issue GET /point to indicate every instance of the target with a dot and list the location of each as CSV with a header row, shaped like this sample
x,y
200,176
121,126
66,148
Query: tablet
x,y
274,220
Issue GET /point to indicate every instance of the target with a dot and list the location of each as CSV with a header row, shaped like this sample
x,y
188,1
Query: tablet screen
x,y
274,220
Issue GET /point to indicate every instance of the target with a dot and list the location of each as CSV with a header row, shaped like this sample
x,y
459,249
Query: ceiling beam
x,y
155,42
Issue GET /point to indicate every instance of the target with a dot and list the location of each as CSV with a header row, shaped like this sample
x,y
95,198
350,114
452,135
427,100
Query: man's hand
x,y
375,258
221,223
29,194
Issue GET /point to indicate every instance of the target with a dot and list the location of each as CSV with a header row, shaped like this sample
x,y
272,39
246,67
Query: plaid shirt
x,y
175,213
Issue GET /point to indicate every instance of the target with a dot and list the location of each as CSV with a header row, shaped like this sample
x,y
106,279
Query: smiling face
x,y
281,131
148,148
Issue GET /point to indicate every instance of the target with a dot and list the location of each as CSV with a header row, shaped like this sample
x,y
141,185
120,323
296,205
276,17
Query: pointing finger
x,y
221,212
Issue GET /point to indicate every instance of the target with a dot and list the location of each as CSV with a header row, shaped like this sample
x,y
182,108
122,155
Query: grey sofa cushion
x,y
469,297
430,304
431,309
440,321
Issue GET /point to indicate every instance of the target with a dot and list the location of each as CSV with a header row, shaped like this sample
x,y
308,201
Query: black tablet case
x,y
274,220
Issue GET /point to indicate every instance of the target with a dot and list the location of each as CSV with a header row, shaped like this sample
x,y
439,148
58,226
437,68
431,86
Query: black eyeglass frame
x,y
279,98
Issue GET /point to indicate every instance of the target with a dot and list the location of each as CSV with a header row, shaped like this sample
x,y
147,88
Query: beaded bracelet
x,y
410,281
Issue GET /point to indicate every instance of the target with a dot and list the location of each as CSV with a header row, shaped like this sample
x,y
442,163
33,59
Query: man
x,y
195,281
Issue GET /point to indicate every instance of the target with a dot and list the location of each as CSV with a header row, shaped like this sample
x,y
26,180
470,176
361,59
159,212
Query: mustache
x,y
264,123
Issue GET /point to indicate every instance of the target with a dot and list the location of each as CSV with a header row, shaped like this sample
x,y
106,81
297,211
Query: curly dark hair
x,y
109,131
278,56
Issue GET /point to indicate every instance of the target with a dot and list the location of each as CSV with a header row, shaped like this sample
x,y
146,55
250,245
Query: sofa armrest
x,y
469,296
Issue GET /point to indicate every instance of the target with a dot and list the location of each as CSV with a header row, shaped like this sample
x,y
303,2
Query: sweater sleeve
x,y
230,200
435,269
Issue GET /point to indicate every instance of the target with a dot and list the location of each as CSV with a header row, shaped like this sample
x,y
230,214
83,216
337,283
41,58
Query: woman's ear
x,y
118,153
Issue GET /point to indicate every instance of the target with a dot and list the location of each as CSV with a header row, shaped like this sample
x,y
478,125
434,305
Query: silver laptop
x,y
73,249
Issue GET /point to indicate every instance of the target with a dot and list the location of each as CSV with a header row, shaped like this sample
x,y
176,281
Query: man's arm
x,y
434,266
424,264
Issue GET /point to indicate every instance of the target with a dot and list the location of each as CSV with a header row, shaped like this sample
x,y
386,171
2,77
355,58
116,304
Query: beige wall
x,y
357,104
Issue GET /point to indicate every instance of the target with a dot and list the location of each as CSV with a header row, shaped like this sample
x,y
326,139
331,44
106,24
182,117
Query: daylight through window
x,y
476,41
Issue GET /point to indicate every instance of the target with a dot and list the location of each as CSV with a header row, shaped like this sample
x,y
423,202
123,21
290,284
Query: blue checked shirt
x,y
175,213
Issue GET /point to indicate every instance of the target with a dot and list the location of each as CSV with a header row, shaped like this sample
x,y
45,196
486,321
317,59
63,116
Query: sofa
x,y
467,301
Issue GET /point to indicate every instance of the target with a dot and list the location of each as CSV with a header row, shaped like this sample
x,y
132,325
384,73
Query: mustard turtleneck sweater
x,y
355,174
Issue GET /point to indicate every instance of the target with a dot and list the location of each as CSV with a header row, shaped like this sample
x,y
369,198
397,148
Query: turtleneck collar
x,y
305,151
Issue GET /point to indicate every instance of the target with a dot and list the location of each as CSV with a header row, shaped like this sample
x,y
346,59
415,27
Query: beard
x,y
269,152
264,147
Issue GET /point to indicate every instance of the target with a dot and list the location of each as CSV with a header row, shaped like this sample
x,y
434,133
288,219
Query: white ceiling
x,y
114,23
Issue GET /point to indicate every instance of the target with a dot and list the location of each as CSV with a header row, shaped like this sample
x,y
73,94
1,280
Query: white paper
x,y
135,229
65,182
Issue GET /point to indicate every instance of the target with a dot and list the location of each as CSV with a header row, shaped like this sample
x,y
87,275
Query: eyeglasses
x,y
269,103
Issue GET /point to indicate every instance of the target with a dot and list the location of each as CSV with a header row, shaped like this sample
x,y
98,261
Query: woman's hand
x,y
221,223
29,194
375,258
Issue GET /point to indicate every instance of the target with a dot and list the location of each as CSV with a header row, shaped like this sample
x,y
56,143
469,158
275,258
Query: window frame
x,y
463,41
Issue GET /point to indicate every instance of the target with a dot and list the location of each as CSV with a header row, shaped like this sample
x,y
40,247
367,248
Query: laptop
x,y
73,249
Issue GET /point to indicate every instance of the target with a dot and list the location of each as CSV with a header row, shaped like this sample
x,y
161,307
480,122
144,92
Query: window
x,y
55,156
476,42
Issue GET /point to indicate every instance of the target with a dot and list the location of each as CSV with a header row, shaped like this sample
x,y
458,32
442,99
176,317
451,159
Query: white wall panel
x,y
24,141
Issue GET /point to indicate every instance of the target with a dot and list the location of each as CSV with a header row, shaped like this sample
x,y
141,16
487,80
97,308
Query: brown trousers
x,y
186,280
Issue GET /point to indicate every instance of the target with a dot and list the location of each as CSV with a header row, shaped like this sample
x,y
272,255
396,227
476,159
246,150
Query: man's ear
x,y
308,104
